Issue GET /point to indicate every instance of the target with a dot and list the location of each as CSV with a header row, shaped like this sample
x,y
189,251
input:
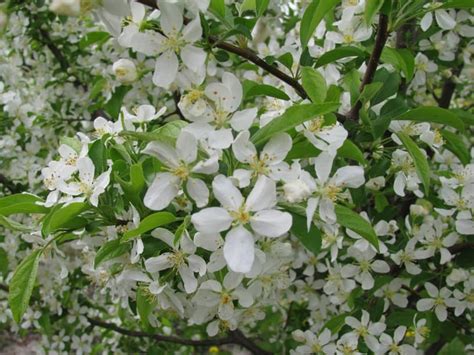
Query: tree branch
x,y
380,40
235,337
449,86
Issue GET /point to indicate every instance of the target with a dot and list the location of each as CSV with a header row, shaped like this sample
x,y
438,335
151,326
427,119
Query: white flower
x,y
270,161
181,162
66,7
174,41
406,176
314,344
125,71
329,189
434,240
393,346
181,259
366,329
409,256
87,186
363,267
443,18
325,137
256,211
439,300
144,114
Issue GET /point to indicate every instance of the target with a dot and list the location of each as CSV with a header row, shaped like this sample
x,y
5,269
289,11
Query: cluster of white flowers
x,y
194,190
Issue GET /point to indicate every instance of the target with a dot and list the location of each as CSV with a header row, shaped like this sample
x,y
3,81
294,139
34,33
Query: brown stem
x,y
235,337
448,88
380,40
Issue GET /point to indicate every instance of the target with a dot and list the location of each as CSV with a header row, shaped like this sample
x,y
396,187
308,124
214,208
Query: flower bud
x,y
125,71
66,7
296,191
418,210
376,183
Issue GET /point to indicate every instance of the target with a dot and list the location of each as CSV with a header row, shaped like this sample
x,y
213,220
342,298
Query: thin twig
x,y
380,40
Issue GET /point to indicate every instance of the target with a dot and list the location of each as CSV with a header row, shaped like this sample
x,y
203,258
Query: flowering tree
x,y
183,176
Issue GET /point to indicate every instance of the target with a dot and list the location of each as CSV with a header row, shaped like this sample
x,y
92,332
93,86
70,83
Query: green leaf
x,y
217,7
456,145
371,8
454,347
113,106
352,220
64,217
21,203
22,283
13,225
302,149
247,5
153,221
390,85
401,59
391,109
432,114
110,250
91,38
261,6
370,90
310,239
3,263
313,15
97,153
336,323
293,117
458,4
339,53
256,89
420,160
350,151
134,187
145,305
314,84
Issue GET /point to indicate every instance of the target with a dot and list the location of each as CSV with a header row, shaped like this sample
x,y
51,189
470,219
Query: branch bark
x,y
235,337
448,88
380,40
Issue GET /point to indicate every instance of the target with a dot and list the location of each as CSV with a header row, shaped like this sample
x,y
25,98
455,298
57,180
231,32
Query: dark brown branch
x,y
234,337
457,248
380,40
448,88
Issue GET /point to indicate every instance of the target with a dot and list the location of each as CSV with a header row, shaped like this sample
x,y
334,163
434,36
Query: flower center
x,y
226,298
174,42
181,171
241,215
439,301
315,125
331,192
177,258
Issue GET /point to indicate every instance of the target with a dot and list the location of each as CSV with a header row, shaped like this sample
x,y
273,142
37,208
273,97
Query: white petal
x,y
349,176
186,147
166,68
444,20
226,193
322,165
441,313
424,304
149,43
263,195
239,250
198,191
242,120
310,209
235,88
193,31
277,148
189,281
221,138
271,223
159,263
211,241
163,152
171,18
211,220
193,57
431,289
244,150
426,21
162,191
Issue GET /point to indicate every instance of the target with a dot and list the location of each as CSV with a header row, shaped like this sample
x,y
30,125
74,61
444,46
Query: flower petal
x,y
239,250
271,223
162,191
211,220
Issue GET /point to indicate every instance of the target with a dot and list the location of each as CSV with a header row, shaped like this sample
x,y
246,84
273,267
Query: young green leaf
x,y
265,90
110,250
313,15
13,225
150,222
339,53
22,284
21,203
314,84
371,8
145,305
293,117
350,151
432,114
456,145
310,239
64,217
353,221
420,160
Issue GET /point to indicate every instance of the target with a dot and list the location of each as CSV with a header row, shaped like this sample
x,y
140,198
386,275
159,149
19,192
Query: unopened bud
x,y
125,71
66,7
